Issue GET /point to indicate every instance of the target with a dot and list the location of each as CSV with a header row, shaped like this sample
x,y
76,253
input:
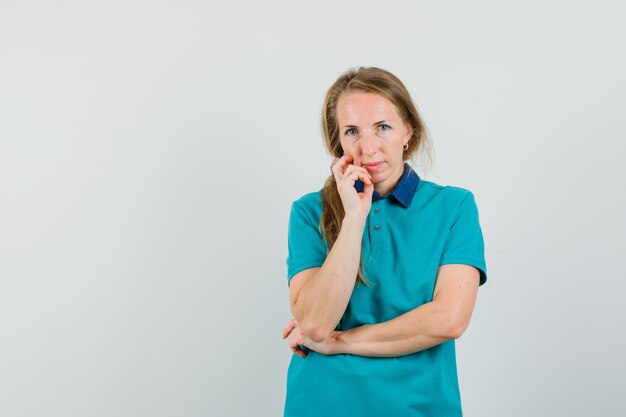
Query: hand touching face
x,y
346,174
372,132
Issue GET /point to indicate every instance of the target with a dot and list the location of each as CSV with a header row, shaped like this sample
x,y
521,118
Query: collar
x,y
404,189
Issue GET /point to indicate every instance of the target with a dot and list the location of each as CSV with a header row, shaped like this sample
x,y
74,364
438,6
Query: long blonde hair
x,y
369,80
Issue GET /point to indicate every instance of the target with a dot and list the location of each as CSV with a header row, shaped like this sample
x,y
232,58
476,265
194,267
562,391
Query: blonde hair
x,y
368,80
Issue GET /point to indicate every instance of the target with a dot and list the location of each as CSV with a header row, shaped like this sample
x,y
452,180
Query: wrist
x,y
355,219
338,342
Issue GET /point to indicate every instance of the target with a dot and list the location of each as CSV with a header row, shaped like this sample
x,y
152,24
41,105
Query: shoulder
x,y
449,194
309,199
309,205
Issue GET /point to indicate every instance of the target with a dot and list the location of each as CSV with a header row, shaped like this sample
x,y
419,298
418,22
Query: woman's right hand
x,y
346,174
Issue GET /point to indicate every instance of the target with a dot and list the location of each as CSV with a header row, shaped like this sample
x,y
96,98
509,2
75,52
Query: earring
x,y
406,146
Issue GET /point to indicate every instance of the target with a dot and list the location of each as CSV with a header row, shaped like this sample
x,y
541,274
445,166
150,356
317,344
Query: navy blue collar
x,y
404,189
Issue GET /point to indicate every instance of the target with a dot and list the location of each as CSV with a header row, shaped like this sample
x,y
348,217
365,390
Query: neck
x,y
386,186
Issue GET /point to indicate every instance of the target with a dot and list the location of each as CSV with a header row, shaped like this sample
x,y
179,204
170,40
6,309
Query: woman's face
x,y
372,132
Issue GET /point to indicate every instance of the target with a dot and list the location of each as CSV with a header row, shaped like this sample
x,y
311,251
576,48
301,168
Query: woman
x,y
383,266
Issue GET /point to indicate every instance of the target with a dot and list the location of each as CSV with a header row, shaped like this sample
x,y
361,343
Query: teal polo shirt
x,y
409,233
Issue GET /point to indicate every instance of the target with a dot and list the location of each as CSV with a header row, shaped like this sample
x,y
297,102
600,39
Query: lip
x,y
373,166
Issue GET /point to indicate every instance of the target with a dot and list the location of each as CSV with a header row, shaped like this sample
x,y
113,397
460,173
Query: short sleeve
x,y
305,242
464,244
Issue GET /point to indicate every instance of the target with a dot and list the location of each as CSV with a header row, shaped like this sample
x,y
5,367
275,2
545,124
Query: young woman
x,y
383,266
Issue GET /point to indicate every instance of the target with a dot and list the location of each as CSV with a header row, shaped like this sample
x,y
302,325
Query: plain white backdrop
x,y
150,152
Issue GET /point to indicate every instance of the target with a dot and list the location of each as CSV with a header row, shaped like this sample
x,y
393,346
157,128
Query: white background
x,y
150,151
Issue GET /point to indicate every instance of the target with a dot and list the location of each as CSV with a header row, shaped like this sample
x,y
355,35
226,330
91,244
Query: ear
x,y
409,131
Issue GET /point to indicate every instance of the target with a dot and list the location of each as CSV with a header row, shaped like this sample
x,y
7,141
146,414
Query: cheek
x,y
393,151
351,148
398,147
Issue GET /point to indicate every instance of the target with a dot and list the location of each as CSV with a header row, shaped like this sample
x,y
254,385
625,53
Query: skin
x,y
371,130
335,279
445,318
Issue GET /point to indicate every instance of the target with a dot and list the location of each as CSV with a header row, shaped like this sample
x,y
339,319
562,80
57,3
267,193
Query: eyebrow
x,y
377,123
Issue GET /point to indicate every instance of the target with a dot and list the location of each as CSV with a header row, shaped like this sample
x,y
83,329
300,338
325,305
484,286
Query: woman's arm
x,y
444,318
321,300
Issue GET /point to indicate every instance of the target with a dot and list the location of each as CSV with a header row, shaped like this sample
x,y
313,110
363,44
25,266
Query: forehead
x,y
363,108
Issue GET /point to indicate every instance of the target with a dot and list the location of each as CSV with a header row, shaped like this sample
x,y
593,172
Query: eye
x,y
384,127
350,132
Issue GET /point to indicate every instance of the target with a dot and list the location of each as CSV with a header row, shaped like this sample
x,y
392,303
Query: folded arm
x,y
445,318
319,296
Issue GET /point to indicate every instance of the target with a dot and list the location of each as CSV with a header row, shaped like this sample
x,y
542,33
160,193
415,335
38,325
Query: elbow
x,y
456,329
311,330
315,333
456,332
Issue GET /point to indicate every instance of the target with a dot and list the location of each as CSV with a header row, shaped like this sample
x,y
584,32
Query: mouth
x,y
373,166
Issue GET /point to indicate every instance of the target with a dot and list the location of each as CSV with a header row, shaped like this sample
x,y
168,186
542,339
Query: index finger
x,y
341,164
289,327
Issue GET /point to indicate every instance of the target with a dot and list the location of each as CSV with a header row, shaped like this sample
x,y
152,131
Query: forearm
x,y
323,299
413,331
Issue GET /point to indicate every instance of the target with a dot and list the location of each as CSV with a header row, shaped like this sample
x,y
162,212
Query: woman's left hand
x,y
295,337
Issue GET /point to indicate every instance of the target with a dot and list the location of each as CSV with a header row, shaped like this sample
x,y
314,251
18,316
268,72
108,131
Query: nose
x,y
368,143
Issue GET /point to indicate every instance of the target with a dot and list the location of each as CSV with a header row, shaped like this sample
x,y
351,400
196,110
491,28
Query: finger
x,y
290,326
367,179
298,351
353,173
350,170
362,170
294,339
295,352
301,353
350,173
286,330
341,164
368,190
